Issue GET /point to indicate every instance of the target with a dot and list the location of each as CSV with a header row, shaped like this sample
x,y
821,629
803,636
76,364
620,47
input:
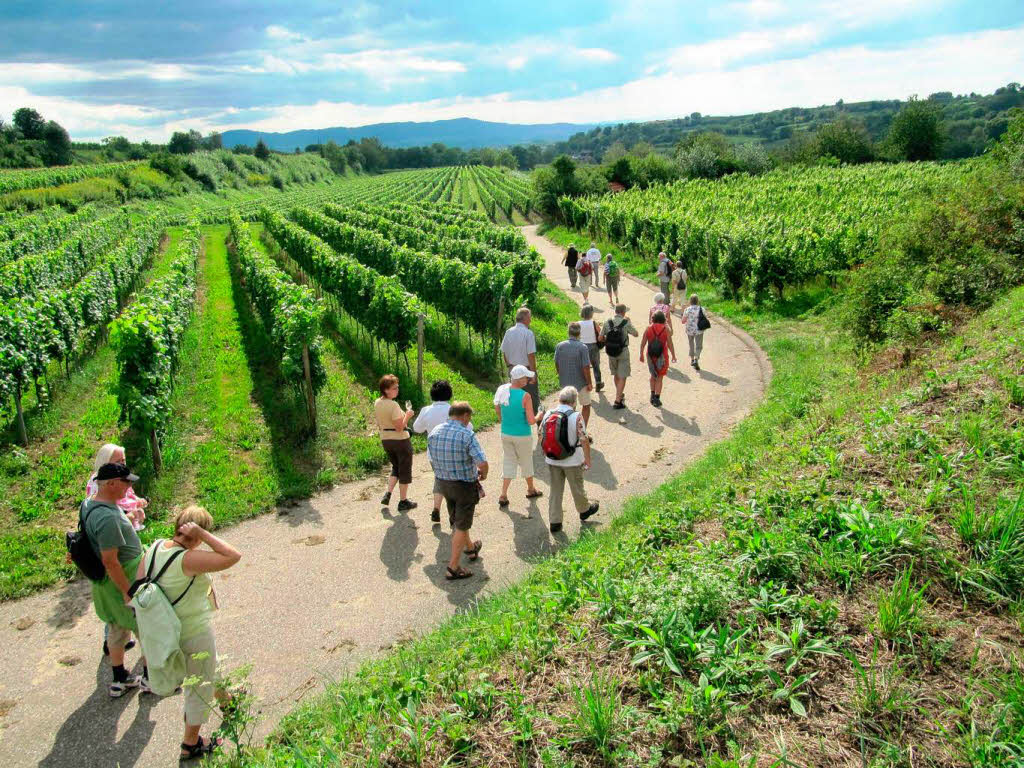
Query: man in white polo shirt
x,y
519,347
594,257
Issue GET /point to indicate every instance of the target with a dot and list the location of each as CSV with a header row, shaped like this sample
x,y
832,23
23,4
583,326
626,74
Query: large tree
x,y
262,150
56,144
29,122
844,140
916,131
184,143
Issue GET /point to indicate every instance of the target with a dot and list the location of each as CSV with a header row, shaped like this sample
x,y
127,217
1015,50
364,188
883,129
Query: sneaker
x,y
654,399
405,505
556,527
385,499
118,689
589,512
657,401
144,684
435,516
619,405
696,365
693,363
600,386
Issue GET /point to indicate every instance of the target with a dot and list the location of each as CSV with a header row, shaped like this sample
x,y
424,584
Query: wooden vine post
x,y
22,432
497,333
419,352
154,447
310,394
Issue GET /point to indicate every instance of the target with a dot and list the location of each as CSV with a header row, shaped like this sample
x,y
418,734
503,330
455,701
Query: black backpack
x,y
656,348
81,551
615,339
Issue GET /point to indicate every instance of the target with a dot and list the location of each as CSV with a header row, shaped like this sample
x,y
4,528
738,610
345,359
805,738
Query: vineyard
x,y
231,338
763,233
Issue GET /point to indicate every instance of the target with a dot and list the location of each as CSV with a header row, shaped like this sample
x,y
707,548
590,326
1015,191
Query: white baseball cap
x,y
520,371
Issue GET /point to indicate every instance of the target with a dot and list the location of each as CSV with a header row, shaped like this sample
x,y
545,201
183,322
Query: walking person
x,y
570,260
572,362
594,257
515,410
665,274
585,269
660,306
392,422
519,347
679,281
616,332
187,582
460,466
612,273
657,340
429,417
115,542
567,459
590,334
696,324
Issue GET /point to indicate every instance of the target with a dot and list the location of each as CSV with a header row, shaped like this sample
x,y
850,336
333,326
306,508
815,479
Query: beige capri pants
x,y
198,699
517,454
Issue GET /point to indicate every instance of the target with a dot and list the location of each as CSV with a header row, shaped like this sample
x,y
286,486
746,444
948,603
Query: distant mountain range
x,y
462,132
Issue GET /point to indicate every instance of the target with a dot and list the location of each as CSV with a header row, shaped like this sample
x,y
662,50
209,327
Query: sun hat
x,y
519,372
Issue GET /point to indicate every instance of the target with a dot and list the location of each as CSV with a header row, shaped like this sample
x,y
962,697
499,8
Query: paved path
x,y
330,582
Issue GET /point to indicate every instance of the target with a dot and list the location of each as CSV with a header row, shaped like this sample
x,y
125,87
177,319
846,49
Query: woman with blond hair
x,y
133,506
187,584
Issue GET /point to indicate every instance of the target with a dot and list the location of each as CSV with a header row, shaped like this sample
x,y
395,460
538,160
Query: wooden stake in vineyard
x,y
497,334
310,394
154,447
419,352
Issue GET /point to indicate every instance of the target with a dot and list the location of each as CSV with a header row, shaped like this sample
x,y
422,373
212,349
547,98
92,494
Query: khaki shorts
x,y
619,366
517,455
584,397
118,637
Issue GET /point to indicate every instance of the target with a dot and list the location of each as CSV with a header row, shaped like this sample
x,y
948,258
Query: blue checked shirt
x,y
454,452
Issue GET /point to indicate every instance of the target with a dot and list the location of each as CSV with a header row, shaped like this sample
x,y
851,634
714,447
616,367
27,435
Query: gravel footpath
x,y
330,582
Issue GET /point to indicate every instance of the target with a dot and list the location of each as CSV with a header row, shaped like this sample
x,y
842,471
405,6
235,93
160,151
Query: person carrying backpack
x,y
107,549
185,582
665,274
567,454
657,341
616,332
585,270
570,260
612,272
679,280
696,323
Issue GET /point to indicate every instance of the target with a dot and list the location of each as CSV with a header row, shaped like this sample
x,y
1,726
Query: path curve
x,y
328,583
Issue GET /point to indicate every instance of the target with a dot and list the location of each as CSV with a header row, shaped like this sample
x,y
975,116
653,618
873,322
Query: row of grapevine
x,y
42,232
377,302
147,341
526,268
291,315
783,228
437,221
51,326
31,178
65,265
471,294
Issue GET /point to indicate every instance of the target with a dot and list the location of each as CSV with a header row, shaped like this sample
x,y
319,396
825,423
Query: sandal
x,y
474,553
534,494
458,573
503,501
201,748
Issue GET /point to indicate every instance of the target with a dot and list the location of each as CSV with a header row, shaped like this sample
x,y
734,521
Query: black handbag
x,y
702,321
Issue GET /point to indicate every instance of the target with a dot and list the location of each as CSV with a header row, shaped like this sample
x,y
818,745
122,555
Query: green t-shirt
x,y
108,527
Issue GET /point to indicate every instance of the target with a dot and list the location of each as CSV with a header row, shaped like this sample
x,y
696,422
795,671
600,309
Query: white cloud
x,y
595,55
718,54
278,32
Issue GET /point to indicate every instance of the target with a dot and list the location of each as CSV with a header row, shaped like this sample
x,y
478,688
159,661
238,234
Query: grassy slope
x,y
834,584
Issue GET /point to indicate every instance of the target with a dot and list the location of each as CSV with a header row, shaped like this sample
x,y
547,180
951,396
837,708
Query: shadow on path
x,y
74,602
530,533
720,380
398,548
88,738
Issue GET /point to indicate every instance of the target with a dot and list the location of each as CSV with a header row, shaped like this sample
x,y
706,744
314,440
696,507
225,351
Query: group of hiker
x,y
161,593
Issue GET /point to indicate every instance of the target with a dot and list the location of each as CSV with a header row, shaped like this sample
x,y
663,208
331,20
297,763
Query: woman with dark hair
x,y
657,340
392,423
432,416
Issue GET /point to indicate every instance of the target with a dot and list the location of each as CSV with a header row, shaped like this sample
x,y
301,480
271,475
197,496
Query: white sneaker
x,y
117,690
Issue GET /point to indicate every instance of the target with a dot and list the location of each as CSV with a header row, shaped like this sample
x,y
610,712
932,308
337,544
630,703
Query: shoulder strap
x,y
167,564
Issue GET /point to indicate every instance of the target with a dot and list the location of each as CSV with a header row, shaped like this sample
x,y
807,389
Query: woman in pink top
x,y
661,306
133,506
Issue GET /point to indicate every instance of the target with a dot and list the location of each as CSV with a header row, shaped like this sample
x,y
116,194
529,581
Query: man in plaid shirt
x,y
459,465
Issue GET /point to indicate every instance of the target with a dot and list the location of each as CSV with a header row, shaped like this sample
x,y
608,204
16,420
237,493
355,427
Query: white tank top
x,y
587,334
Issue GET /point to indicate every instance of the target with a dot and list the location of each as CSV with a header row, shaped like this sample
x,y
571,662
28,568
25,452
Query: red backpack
x,y
555,437
585,268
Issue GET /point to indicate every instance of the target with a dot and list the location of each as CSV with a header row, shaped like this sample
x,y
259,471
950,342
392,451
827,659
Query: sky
x,y
143,70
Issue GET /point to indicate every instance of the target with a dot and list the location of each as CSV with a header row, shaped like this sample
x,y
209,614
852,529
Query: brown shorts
x,y
462,499
400,453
